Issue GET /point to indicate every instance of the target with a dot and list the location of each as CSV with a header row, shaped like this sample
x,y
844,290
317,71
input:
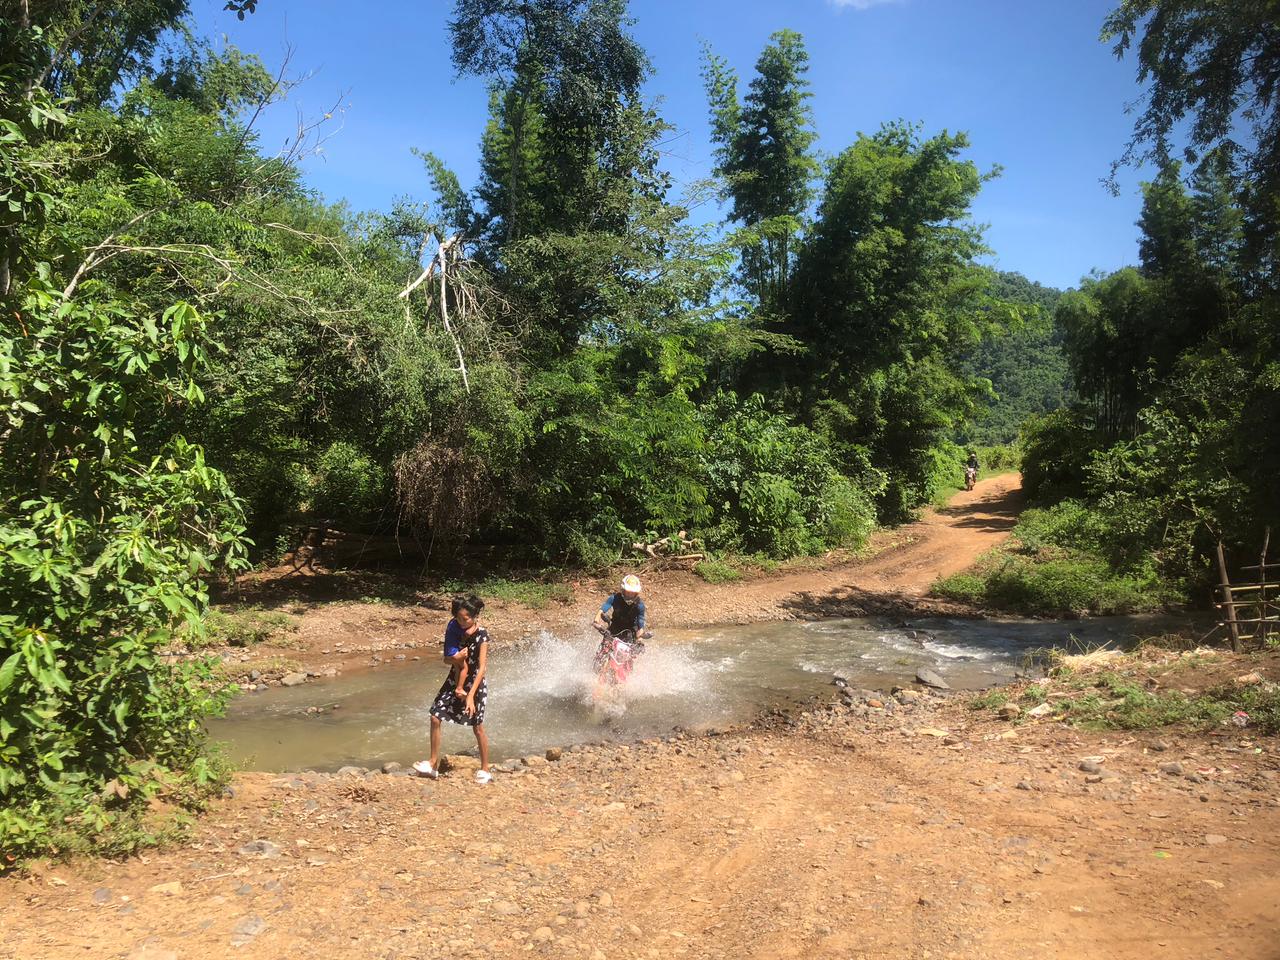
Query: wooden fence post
x,y
1263,607
1228,603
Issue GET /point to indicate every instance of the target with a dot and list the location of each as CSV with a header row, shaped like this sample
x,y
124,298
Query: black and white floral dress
x,y
449,707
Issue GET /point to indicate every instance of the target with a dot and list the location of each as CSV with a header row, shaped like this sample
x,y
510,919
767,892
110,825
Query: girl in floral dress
x,y
463,695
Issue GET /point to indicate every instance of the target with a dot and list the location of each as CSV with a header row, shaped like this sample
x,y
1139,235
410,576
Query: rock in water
x,y
554,753
293,679
930,679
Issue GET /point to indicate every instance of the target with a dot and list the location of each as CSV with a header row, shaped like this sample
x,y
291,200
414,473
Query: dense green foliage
x,y
1062,560
1024,363
1171,445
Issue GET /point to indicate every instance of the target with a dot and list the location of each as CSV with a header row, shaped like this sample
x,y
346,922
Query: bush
x,y
1061,560
1001,458
103,551
772,486
717,571
348,485
1056,451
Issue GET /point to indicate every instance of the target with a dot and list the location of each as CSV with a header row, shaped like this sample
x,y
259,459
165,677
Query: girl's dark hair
x,y
469,602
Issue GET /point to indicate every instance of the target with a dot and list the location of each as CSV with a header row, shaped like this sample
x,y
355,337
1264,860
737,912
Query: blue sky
x,y
1028,81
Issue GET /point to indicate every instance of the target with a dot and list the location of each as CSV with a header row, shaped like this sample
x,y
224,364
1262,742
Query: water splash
x,y
563,671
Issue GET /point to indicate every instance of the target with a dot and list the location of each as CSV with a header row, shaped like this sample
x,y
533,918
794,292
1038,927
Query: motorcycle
x,y
970,477
615,660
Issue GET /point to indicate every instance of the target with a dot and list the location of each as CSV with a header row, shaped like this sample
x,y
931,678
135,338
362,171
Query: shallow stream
x,y
541,694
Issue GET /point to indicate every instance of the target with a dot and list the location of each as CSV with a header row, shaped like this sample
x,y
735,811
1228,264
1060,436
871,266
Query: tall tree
x,y
568,66
764,151
1210,67
887,301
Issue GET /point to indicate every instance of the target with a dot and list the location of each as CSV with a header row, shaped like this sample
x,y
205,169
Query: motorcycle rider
x,y
971,470
620,612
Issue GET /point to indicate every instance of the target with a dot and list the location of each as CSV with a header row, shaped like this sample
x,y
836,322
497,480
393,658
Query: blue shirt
x,y
455,638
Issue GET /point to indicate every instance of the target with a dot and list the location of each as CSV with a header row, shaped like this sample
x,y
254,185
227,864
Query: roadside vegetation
x,y
1151,687
1063,560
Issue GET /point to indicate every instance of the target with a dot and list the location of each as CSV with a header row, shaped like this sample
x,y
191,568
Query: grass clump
x,y
717,571
991,700
1058,561
1113,700
531,593
246,627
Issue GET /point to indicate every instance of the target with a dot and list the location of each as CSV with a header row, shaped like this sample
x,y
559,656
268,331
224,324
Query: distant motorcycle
x,y
970,477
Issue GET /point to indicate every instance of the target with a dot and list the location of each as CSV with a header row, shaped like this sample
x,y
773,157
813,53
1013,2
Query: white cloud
x,y
860,4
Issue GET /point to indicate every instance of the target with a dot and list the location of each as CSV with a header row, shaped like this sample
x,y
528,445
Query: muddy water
x,y
542,694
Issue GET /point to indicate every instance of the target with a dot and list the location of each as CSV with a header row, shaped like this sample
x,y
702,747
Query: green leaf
x,y
8,670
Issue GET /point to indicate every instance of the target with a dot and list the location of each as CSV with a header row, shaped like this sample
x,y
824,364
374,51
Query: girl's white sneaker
x,y
484,776
425,769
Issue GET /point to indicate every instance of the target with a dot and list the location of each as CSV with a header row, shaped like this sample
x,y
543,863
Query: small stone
x,y
1009,711
1173,768
554,753
543,935
101,895
1251,679
1040,710
582,909
246,930
1213,839
505,908
605,899
875,704
260,848
1025,785
293,679
171,889
350,771
909,696
1159,746
390,767
930,679
244,890
1090,766
255,675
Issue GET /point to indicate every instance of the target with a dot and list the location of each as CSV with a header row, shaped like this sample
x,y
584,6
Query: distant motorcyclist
x,y
971,470
621,613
